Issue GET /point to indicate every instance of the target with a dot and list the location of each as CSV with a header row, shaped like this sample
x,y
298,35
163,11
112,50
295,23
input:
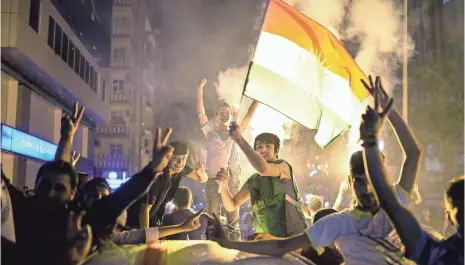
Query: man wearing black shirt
x,y
149,210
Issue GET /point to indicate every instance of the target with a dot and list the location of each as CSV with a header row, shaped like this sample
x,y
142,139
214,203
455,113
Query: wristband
x,y
369,142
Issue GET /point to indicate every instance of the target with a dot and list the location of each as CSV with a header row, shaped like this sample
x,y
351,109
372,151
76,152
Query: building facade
x,y
124,146
46,66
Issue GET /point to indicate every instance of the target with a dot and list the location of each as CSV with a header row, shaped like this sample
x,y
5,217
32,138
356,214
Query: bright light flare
x,y
269,120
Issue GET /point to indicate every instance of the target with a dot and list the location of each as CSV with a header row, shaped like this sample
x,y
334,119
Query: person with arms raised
x,y
420,246
221,153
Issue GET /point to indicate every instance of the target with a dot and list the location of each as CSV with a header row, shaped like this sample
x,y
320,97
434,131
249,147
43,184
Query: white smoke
x,y
376,26
230,84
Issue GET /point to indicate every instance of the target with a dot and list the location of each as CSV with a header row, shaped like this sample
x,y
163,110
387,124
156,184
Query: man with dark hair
x,y
83,178
93,191
149,210
272,190
183,201
221,153
56,180
420,246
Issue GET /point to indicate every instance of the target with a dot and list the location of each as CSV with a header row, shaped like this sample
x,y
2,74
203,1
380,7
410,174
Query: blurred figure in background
x,y
183,203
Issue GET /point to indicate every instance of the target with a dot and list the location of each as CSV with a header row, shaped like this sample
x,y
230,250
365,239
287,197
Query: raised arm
x,y
262,167
198,174
200,107
341,199
248,117
412,150
69,126
408,142
405,223
105,211
407,226
231,203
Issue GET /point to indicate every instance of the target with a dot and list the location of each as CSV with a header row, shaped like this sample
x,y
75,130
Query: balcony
x,y
120,32
111,161
113,131
119,97
120,63
122,2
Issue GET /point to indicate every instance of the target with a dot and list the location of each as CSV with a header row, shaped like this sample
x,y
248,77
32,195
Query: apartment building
x,y
124,146
50,60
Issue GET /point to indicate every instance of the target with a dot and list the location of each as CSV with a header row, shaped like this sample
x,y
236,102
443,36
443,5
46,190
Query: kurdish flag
x,y
300,69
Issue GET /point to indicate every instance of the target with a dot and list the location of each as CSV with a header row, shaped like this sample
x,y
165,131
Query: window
x,y
95,82
82,67
34,15
86,72
119,53
118,86
116,149
64,52
71,55
116,116
91,77
51,31
104,89
58,33
146,143
77,59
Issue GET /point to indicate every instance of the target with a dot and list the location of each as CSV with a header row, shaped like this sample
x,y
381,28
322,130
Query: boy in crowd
x,y
221,153
272,190
183,203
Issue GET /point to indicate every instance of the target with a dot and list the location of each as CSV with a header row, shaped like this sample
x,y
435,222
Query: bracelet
x,y
369,142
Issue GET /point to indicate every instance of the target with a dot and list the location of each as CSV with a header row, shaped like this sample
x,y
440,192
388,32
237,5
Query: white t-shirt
x,y
359,236
218,150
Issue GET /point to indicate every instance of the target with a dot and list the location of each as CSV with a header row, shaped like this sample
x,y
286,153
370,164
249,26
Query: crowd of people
x,y
69,217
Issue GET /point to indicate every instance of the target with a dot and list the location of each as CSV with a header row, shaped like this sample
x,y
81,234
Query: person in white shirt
x,y
221,153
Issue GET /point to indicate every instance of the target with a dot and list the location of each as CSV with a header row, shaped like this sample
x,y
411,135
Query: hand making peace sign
x,y
162,152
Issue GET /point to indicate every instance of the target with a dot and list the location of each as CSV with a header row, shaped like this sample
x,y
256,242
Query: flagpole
x,y
405,67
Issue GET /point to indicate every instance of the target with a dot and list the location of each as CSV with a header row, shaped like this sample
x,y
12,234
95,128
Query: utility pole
x,y
405,66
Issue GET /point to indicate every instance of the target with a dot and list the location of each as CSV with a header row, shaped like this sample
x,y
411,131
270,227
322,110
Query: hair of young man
x,y
58,167
81,177
316,202
180,148
322,213
183,197
268,138
357,167
455,191
93,185
223,104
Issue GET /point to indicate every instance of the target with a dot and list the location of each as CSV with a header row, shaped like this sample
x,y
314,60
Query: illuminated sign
x,y
22,143
115,178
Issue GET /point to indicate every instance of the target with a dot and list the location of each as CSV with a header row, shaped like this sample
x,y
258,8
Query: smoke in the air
x,y
371,30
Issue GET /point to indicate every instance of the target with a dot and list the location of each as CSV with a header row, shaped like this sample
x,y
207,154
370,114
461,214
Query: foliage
x,y
436,101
